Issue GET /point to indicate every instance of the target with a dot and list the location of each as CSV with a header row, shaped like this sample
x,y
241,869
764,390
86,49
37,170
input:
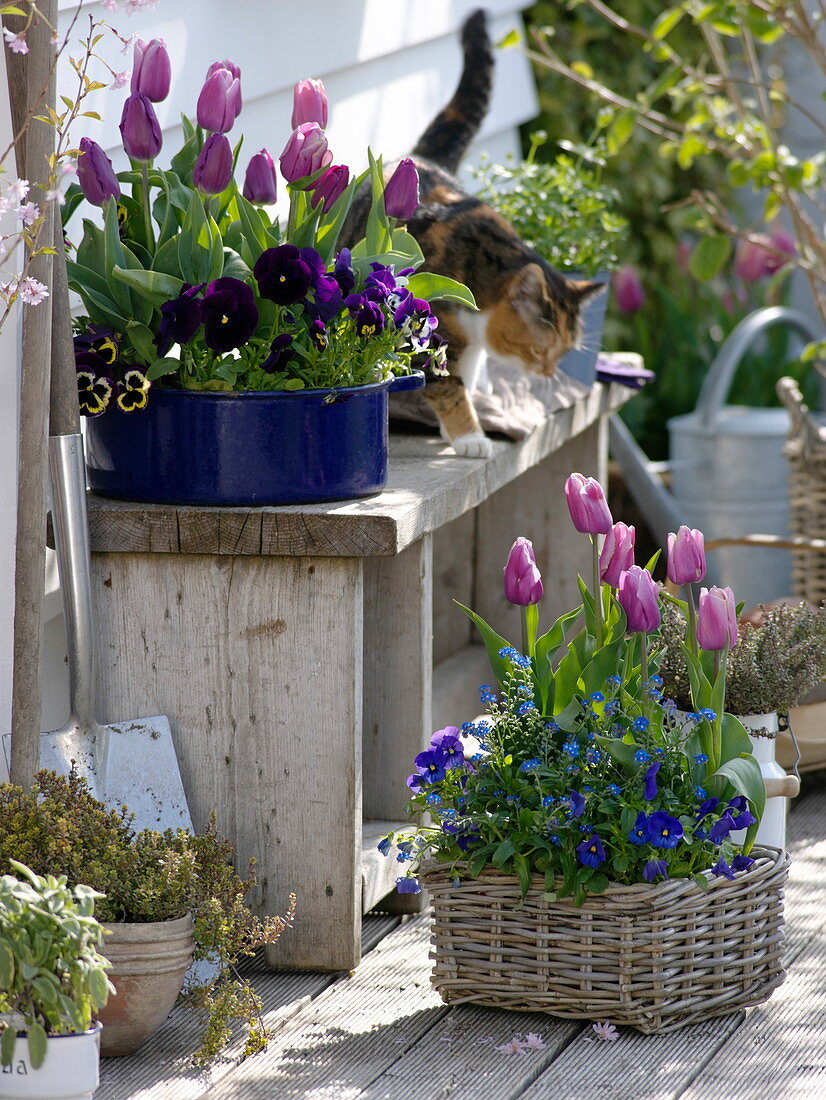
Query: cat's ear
x,y
584,290
526,290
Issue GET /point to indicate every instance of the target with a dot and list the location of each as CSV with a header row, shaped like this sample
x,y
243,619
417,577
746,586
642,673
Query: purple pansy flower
x,y
230,314
181,318
577,803
343,271
408,886
591,852
369,320
280,353
449,742
639,834
664,831
721,829
722,868
283,275
432,763
655,868
650,781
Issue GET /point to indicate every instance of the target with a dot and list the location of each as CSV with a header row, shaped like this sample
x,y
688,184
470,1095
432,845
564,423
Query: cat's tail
x,y
447,137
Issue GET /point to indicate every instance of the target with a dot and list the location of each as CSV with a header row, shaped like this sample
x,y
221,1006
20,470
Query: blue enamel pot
x,y
254,448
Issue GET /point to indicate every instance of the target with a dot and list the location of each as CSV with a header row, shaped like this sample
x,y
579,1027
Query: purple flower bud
x,y
95,173
716,619
628,290
259,182
638,597
401,192
225,64
305,152
219,103
309,103
330,186
523,583
151,71
587,505
762,255
617,553
686,556
213,168
140,129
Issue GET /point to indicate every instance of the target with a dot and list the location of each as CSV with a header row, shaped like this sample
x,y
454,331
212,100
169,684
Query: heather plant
x,y
772,668
58,827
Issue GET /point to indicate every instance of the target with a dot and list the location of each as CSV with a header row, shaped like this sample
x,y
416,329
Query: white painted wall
x,y
388,68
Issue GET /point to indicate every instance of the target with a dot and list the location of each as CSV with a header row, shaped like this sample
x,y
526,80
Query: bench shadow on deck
x,y
381,1031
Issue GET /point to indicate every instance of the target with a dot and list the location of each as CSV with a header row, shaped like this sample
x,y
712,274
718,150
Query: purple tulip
x,y
523,583
309,103
638,597
213,168
230,314
587,505
716,619
305,153
259,182
628,292
762,255
151,70
219,103
225,64
686,556
95,173
617,553
140,129
330,186
401,192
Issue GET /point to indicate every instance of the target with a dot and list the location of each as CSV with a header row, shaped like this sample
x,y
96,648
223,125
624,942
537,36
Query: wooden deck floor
x,y
381,1033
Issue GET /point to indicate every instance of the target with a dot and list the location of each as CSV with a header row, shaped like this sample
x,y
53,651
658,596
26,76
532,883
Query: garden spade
x,y
133,762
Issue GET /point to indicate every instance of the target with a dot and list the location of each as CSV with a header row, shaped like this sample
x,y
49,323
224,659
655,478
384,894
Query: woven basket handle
x,y
803,425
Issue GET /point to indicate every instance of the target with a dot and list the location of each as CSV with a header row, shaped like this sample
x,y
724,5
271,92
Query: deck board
x,y
382,1033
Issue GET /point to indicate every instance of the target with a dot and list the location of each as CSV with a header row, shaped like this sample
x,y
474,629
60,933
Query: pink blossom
x,y
110,5
762,255
120,81
16,42
533,1041
31,291
55,195
29,212
606,1031
514,1046
17,190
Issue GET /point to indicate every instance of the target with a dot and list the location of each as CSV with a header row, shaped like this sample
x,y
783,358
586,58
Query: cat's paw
x,y
473,445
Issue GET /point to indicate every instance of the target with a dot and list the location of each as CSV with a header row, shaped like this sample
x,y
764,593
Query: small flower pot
x,y
245,449
149,962
69,1071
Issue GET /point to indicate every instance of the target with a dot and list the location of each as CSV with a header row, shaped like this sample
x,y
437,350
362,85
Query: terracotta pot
x,y
149,962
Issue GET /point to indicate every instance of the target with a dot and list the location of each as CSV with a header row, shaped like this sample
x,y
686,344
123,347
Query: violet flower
x,y
95,174
305,153
638,596
151,70
281,353
628,291
716,619
522,579
686,556
401,193
617,553
330,187
230,314
649,792
213,168
655,868
587,505
664,831
591,852
219,102
259,181
181,318
140,129
283,275
309,103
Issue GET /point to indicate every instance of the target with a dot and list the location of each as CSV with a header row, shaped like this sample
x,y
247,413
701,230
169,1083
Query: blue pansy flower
x,y
721,829
664,831
722,868
591,852
408,885
655,868
432,764
639,834
650,781
384,845
577,804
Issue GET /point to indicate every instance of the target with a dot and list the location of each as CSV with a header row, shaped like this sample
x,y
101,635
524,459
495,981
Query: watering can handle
x,y
717,382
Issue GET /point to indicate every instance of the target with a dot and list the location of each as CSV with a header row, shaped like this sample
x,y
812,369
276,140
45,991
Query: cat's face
x,y
533,324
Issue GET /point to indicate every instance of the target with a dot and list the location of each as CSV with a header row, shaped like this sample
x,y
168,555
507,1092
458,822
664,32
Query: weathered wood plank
x,y
259,670
428,486
452,580
455,686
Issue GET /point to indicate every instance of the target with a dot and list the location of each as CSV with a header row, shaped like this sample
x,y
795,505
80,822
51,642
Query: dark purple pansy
x,y
283,275
180,318
369,320
591,852
280,353
324,296
230,314
94,392
721,829
317,332
343,271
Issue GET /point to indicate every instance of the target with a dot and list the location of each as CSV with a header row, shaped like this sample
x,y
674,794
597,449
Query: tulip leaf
x,y
440,288
91,252
113,254
142,341
251,226
330,226
493,643
167,258
743,774
709,256
6,965
8,1038
234,266
734,740
155,285
159,367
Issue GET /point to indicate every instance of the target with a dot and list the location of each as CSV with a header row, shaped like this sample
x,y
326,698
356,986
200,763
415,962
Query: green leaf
x,y
510,40
37,1044
621,128
709,257
503,852
493,643
153,284
621,751
523,873
140,336
424,284
8,1038
743,774
734,740
666,21
6,965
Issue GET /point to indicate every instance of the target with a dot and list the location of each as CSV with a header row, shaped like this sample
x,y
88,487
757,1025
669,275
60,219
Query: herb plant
x,y
52,975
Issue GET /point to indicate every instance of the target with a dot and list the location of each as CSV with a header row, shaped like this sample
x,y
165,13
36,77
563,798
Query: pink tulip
x,y
587,505
309,103
259,181
305,152
716,619
219,102
401,193
151,70
762,255
617,553
523,583
638,596
686,556
628,292
330,186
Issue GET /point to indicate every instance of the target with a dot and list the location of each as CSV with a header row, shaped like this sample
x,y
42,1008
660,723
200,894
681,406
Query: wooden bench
x,y
303,654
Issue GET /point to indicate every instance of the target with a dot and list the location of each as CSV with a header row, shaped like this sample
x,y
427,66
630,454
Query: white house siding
x,y
388,68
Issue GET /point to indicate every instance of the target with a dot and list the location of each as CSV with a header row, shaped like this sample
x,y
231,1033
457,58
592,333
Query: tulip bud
x,y
151,70
140,129
219,103
401,192
523,584
330,186
225,64
716,619
305,152
587,505
617,553
762,255
259,182
628,292
95,173
637,594
213,168
686,556
309,103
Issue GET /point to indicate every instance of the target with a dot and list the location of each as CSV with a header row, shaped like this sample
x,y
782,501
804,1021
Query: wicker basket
x,y
805,451
655,957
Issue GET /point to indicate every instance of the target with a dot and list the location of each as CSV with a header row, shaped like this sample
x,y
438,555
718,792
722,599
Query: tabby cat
x,y
529,314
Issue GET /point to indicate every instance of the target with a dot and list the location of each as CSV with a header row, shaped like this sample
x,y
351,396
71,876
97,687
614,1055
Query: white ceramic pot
x,y
69,1071
772,830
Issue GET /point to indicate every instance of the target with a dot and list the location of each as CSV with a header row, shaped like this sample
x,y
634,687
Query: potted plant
x,y
224,358
52,982
564,211
779,658
163,898
579,850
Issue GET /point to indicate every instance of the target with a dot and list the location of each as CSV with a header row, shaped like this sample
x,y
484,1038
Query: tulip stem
x,y
597,593
530,625
644,672
692,622
147,213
